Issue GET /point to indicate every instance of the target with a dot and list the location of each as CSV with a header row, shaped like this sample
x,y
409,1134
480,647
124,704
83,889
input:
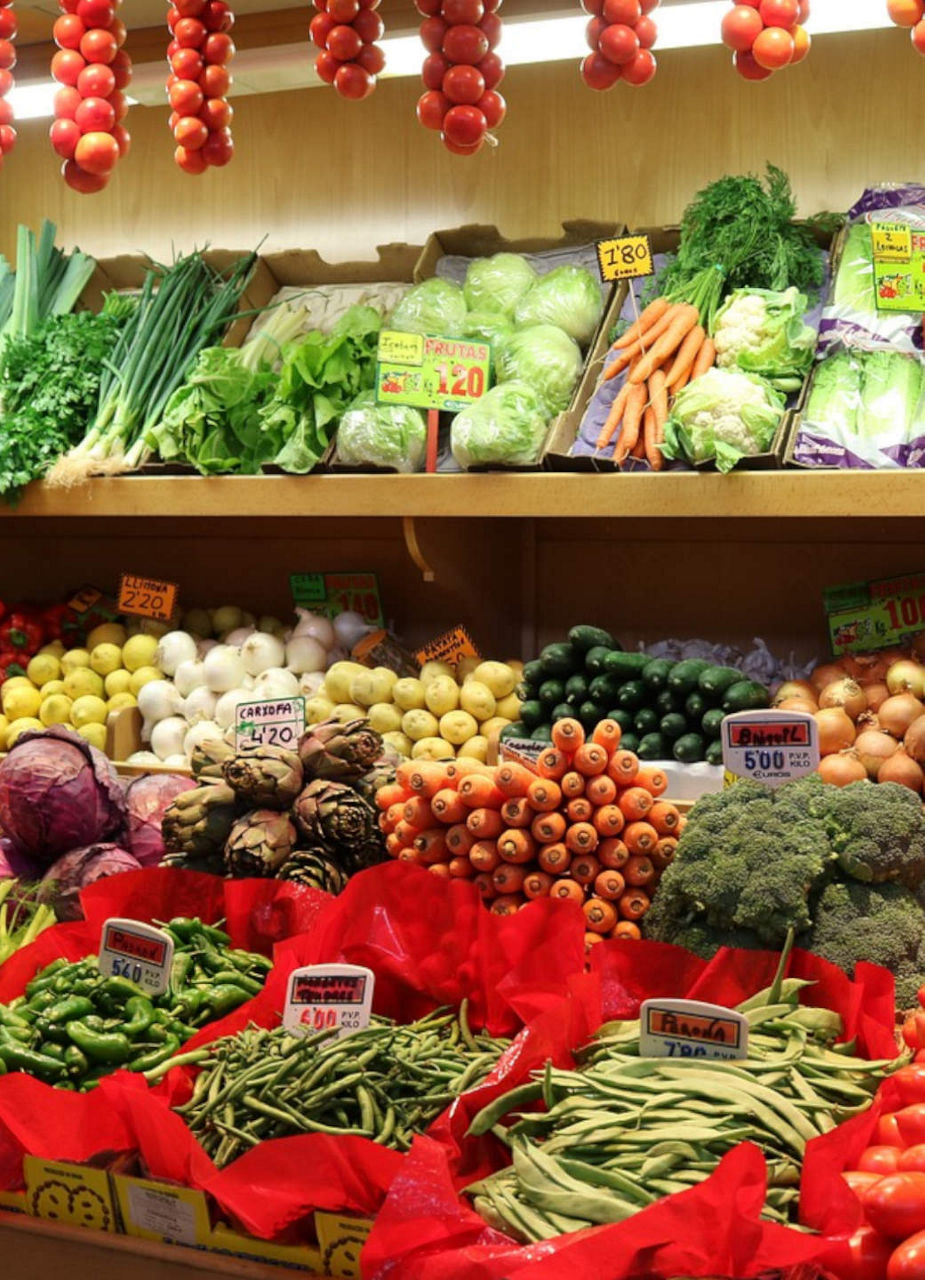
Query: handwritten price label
x,y
329,997
431,373
865,616
625,258
274,722
147,597
139,952
333,593
691,1029
449,647
770,746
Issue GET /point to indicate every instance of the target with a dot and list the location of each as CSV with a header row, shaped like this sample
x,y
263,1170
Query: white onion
x,y
144,757
157,700
349,627
276,683
248,682
167,736
312,624
305,653
204,731
224,668
227,704
200,705
238,636
188,676
172,649
179,761
310,682
262,651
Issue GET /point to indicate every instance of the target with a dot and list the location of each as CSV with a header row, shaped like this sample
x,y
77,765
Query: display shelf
x,y
781,495
31,1247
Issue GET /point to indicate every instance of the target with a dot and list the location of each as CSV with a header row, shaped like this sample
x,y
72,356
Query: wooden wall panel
x,y
315,171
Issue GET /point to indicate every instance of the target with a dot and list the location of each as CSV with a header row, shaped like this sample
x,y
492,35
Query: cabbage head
x,y
490,327
505,427
546,358
498,283
434,307
569,297
382,435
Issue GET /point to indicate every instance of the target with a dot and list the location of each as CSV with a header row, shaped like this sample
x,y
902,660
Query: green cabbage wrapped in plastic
x,y
434,307
545,357
490,327
498,283
382,435
722,417
568,297
505,427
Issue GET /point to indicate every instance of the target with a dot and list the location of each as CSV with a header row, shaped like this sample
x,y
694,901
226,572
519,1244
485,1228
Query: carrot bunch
x,y
587,825
665,348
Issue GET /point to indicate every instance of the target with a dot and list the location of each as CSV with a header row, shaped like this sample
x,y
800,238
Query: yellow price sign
x,y
625,258
891,241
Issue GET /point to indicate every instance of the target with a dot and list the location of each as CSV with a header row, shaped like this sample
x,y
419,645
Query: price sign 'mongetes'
x,y
323,997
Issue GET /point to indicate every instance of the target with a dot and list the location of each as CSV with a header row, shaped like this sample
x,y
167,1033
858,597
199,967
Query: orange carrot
x,y
639,871
579,810
609,884
654,333
554,858
516,812
591,939
590,759
508,879
572,784
570,890
608,820
687,354
512,779
664,818
392,816
393,845
508,904
479,792
427,777
462,767
633,904
614,417
392,793
706,357
440,869
612,854
485,887
544,795
617,366
601,790
459,839
623,767
663,853
461,868
547,828
485,824
653,453
643,323
537,884
654,780
552,763
682,823
626,929
581,838
431,845
408,854
568,734
635,803
640,837
684,320
632,422
417,812
681,382
600,916
484,855
658,395
516,845
607,734
585,868
447,806
406,832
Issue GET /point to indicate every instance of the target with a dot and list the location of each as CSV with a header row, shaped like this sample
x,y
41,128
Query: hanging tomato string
x,y
7,63
199,81
620,35
93,70
346,32
766,36
461,72
911,14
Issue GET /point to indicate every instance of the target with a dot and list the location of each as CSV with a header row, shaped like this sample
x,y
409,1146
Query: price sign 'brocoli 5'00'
x,y
772,747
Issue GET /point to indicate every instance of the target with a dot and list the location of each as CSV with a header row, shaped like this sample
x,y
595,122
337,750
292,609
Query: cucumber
x,y
534,673
629,742
542,733
516,729
589,714
673,726
564,711
551,692
716,680
652,747
605,689
712,722
714,752
576,688
689,749
559,660
532,713
666,701
627,665
684,675
633,695
655,674
623,718
595,658
746,695
646,720
694,706
582,638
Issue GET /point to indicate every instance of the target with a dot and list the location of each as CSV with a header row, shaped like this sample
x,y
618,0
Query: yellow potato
x,y
408,694
369,687
337,681
399,742
458,727
494,725
344,711
432,749
317,709
431,670
475,749
419,724
477,699
508,707
498,676
441,695
385,717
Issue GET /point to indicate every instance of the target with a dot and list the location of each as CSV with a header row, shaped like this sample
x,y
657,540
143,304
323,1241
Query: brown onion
x,y
876,694
902,769
874,748
906,676
845,693
798,704
897,713
842,768
836,732
914,741
795,689
825,674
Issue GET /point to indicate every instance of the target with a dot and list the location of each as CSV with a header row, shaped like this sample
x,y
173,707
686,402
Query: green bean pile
x,y
623,1131
386,1082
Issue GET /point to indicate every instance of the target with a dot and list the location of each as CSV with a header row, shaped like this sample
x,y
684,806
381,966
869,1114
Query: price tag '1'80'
x,y
691,1029
323,997
137,951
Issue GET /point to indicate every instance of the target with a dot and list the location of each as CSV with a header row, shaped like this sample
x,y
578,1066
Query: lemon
x,y
23,725
138,652
82,681
119,701
117,682
17,682
73,659
142,676
20,702
4,726
56,648
56,709
107,633
53,686
105,658
42,668
95,734
88,710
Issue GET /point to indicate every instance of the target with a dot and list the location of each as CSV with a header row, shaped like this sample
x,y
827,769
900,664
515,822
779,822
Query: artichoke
x,y
339,752
208,757
198,822
264,777
336,817
259,844
315,867
382,774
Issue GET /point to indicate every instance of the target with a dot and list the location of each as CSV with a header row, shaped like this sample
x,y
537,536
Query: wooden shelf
x,y
781,495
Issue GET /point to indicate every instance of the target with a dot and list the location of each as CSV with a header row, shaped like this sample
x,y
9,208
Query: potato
x,y
441,695
465,667
475,749
344,711
494,725
408,694
399,742
499,677
387,676
370,687
516,666
458,727
477,699
337,680
385,717
419,724
508,707
318,708
432,749
431,670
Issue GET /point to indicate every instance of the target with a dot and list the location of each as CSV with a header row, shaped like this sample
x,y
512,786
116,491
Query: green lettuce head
x,y
434,307
568,297
498,283
382,435
545,357
506,427
488,326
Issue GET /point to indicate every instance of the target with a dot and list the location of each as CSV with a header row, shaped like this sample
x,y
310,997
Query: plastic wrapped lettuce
x,y
547,358
724,416
382,435
434,307
506,427
762,331
490,327
568,297
498,283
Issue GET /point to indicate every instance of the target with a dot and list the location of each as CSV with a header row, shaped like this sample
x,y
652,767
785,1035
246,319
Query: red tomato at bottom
x,y
65,135
432,107
351,81
7,138
458,150
190,161
219,149
895,1205
642,68
598,73
918,36
907,1262
464,126
97,153
79,180
867,1255
748,68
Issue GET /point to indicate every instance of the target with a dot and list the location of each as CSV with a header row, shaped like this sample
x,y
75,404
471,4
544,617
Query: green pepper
x,y
154,1057
68,1009
140,1013
237,978
57,1033
17,1035
100,1046
45,976
222,999
182,962
52,1050
119,987
75,1061
40,1065
42,1001
186,928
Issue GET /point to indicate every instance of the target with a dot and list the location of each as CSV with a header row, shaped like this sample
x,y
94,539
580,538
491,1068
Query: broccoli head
x,y
878,833
882,923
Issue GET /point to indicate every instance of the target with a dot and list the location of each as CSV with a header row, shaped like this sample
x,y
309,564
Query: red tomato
x,y
594,7
434,69
119,32
344,43
895,1205
905,13
918,36
740,27
463,85
64,135
371,59
95,115
492,69
646,32
173,17
912,1160
190,33
880,1160
218,48
123,139
190,8
432,32
801,43
8,55
910,1082
6,112
6,83
860,1182
456,11
888,1131
66,103
464,126
641,70
911,1124
68,31
649,5
343,10
748,68
491,25
353,82
867,1255
593,32
320,28
465,44
619,44
186,63
598,73
215,82
7,24
66,65
491,5
95,13
7,138
190,132
493,108
97,152
172,120
218,16
458,150
190,161
96,81
907,1262
216,113
186,97
779,13
626,11
773,48
368,26
427,8
80,180
119,104
432,107
68,6
172,49
370,4
326,66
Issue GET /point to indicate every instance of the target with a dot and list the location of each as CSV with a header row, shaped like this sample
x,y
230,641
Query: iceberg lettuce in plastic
x,y
498,283
545,357
490,327
434,307
568,297
382,435
506,426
